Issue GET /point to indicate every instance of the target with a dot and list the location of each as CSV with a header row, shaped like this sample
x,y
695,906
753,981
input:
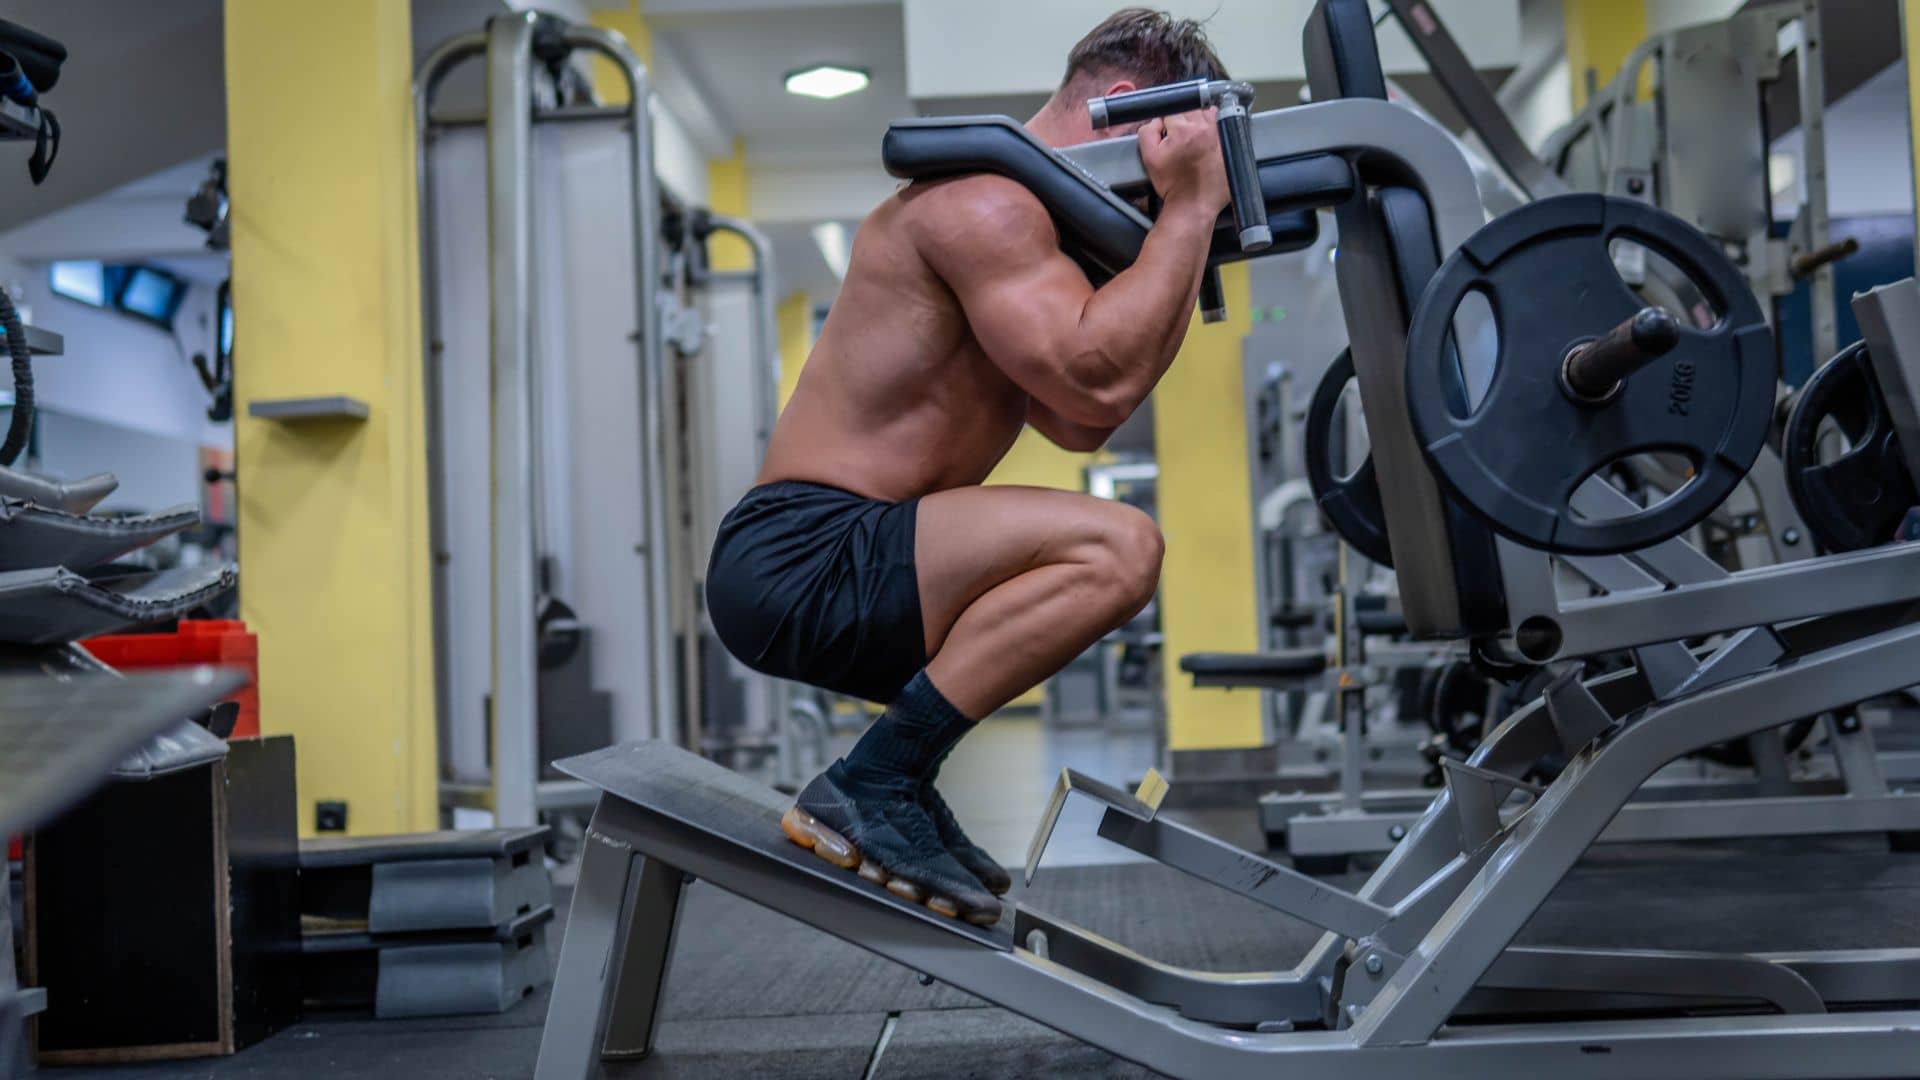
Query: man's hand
x,y
1182,156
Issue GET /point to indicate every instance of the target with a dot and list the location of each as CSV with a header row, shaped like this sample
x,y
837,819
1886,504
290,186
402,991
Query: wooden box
x,y
162,916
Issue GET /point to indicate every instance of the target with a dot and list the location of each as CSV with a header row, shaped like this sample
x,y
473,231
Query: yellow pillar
x,y
608,83
333,524
1910,45
794,322
1600,34
1207,597
727,194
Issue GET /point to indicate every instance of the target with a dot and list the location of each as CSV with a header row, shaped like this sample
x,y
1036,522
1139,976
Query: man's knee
x,y
1134,547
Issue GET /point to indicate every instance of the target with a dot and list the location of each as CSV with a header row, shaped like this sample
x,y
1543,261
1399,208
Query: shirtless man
x,y
871,561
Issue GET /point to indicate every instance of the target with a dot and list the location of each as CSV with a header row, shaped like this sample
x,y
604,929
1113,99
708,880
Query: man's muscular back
x,y
961,319
897,398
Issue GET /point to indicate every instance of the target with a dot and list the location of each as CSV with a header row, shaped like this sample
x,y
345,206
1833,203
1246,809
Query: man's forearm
x,y
1133,325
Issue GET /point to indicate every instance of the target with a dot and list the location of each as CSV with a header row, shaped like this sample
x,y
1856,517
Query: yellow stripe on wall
x,y
1206,511
1910,44
727,194
608,82
1600,34
332,515
794,321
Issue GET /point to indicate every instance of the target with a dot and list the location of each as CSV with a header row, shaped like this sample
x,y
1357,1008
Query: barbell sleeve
x,y
1595,370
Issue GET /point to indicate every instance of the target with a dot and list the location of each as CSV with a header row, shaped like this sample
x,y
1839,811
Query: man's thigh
x,y
968,540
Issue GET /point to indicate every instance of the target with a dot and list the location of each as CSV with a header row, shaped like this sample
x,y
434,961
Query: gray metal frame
x,y
517,795
1403,955
772,695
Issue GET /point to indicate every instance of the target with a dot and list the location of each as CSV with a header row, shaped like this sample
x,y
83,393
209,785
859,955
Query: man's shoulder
x,y
981,209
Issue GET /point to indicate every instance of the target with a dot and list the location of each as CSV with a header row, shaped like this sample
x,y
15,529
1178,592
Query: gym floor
x,y
753,993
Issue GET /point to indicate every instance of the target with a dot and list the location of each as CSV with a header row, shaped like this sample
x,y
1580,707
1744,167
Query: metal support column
x,y
655,384
515,646
614,958
766,410
1813,155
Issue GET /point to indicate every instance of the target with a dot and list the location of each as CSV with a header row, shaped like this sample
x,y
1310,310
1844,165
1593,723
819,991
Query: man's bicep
x,y
1023,299
1026,317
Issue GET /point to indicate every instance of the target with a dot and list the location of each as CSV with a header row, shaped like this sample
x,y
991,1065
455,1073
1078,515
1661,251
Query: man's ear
x,y
1122,87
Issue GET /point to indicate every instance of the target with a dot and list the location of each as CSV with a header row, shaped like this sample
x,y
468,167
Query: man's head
x,y
1134,47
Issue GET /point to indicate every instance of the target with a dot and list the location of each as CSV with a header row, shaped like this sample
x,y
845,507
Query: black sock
x,y
910,739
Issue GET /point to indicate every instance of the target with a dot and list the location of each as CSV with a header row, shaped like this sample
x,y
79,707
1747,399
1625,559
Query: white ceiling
x,y
736,55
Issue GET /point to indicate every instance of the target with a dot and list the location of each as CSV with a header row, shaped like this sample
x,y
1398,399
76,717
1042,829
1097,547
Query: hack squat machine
x,y
1361,723
1417,974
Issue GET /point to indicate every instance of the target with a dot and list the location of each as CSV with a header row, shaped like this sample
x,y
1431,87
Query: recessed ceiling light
x,y
826,81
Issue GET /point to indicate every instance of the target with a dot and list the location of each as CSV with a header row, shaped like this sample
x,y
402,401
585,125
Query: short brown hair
x,y
1151,46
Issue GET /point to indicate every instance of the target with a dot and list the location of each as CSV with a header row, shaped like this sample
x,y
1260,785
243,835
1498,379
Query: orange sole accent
x,y
805,830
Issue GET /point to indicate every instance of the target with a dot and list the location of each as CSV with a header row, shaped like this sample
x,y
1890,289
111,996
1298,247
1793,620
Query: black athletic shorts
x,y
817,585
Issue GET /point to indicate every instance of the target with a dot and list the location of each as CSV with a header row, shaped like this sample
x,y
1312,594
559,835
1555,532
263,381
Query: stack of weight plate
x,y
425,924
59,583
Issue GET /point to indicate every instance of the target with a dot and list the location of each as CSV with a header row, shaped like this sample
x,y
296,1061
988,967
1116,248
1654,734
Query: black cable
x,y
22,420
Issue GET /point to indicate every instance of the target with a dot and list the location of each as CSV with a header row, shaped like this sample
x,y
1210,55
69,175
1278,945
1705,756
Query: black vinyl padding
x,y
1339,34
1381,622
1281,663
1098,228
1403,215
1095,224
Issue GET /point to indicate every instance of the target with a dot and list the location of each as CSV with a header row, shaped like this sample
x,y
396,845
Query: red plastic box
x,y
225,642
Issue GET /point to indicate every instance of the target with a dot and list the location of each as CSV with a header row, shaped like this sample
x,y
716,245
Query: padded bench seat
x,y
1282,667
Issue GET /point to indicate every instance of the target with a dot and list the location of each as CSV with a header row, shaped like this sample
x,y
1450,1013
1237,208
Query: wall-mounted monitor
x,y
144,292
84,280
151,294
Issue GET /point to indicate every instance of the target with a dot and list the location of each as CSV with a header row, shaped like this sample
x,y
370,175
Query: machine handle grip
x,y
1594,371
1213,296
1243,176
1137,105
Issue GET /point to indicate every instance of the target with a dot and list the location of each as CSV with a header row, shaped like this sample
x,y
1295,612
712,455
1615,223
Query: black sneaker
x,y
964,851
887,836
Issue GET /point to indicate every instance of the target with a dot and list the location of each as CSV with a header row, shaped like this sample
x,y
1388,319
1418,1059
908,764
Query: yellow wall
x,y
1600,34
608,83
727,194
333,524
794,322
1206,587
1910,33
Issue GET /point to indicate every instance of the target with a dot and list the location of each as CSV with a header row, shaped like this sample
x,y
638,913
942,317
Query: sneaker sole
x,y
805,830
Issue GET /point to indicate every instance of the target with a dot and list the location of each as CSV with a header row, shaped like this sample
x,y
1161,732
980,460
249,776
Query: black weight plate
x,y
1549,280
1856,500
1351,503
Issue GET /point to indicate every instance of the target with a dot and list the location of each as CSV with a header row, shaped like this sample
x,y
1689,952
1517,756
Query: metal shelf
x,y
290,410
44,342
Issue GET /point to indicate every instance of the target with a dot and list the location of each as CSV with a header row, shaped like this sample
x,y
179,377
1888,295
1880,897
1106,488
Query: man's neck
x,y
1046,125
